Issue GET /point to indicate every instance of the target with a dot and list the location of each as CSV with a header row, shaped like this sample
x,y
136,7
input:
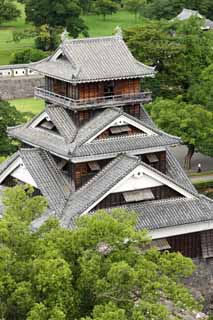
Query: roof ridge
x,y
121,137
91,39
108,166
169,178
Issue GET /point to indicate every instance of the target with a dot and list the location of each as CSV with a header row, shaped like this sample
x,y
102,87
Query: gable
x,y
44,122
138,184
122,125
18,171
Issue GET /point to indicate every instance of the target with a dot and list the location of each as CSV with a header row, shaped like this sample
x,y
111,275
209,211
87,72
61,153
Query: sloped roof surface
x,y
188,13
63,122
92,191
176,172
71,142
171,212
47,176
93,59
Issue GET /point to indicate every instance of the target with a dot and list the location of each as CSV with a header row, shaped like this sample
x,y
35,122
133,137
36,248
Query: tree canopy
x,y
201,91
8,11
101,270
9,117
168,9
59,13
178,50
191,122
105,7
27,56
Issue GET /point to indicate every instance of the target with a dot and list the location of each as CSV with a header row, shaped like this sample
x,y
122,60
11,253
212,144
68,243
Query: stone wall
x,y
20,87
201,283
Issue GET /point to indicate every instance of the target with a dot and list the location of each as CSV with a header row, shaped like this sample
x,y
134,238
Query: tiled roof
x,y
176,172
48,177
78,148
127,144
188,13
63,122
93,59
171,212
4,165
40,138
92,191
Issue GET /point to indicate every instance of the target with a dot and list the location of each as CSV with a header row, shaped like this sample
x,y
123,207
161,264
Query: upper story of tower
x,y
90,73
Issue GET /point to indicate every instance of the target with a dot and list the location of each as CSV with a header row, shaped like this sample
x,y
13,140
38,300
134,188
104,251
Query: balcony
x,y
100,102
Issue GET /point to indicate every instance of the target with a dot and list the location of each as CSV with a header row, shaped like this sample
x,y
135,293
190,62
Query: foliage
x,y
96,271
168,9
27,56
47,39
105,7
60,13
178,50
134,6
201,91
190,122
9,117
8,11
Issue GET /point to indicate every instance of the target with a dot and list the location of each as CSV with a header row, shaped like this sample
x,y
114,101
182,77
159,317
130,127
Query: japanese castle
x,y
94,146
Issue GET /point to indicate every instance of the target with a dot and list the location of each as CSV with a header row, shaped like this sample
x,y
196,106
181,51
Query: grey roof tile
x,y
117,169
176,172
88,194
4,165
123,144
48,177
78,149
188,13
94,59
171,212
63,122
41,138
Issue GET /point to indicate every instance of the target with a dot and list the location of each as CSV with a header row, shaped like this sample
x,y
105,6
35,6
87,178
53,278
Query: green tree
x,y
178,50
27,56
134,6
9,117
168,9
8,11
60,13
105,7
201,92
163,9
190,122
100,270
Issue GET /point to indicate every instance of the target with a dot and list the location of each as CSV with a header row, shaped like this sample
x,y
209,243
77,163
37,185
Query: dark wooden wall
x,y
98,89
160,165
187,244
81,172
117,199
93,89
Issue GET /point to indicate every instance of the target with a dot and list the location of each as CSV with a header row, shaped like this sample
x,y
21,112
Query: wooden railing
x,y
114,100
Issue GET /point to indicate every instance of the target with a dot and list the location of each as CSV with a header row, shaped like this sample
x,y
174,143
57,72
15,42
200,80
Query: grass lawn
x,y
100,27
97,27
7,46
96,24
28,105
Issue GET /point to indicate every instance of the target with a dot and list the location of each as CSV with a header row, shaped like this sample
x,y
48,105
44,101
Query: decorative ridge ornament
x,y
64,35
118,33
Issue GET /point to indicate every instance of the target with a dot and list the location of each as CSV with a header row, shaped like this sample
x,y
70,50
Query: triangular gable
x,y
17,170
125,123
44,122
142,178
